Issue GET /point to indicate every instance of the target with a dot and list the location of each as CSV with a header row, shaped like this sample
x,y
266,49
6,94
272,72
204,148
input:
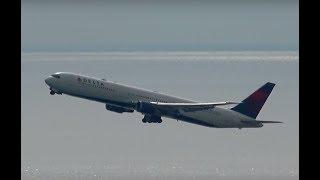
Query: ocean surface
x,y
65,137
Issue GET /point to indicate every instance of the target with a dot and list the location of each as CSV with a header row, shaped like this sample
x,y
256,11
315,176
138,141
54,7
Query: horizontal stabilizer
x,y
257,122
196,104
270,121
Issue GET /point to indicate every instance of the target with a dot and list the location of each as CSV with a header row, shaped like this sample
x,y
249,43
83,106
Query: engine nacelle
x,y
118,109
145,108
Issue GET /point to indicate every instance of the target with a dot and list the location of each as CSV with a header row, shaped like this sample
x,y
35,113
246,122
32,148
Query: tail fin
x,y
252,105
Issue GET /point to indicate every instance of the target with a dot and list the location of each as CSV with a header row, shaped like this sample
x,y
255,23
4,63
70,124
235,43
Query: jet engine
x,y
118,109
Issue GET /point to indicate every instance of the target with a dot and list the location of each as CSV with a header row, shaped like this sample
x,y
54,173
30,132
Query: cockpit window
x,y
56,76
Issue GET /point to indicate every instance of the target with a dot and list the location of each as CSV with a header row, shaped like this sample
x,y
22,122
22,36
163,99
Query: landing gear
x,y
53,91
151,119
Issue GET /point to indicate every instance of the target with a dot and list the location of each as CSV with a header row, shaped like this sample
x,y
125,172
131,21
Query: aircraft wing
x,y
190,107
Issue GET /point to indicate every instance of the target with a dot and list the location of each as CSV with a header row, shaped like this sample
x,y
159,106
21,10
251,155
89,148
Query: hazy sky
x,y
63,133
151,25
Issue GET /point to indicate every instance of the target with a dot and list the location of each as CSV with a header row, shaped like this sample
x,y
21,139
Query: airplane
x,y
153,105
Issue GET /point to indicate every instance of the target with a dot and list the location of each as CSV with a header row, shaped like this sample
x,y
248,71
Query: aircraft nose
x,y
49,80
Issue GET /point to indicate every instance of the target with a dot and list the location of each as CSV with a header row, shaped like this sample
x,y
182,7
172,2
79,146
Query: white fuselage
x,y
125,96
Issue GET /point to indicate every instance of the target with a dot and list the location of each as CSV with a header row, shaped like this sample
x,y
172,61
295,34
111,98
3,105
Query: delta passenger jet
x,y
153,105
